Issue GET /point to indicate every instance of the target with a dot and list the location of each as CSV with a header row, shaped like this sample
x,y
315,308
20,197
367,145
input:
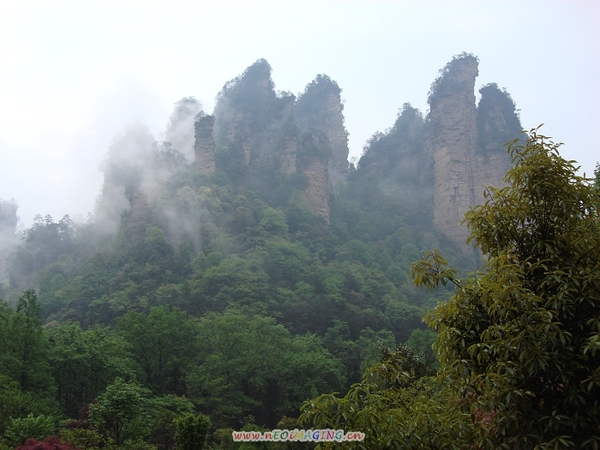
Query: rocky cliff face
x,y
401,156
316,195
467,143
262,130
289,151
444,160
497,124
454,139
204,145
319,109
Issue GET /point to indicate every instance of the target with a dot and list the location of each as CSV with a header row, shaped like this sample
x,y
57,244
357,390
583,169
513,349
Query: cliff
x,y
467,142
443,163
319,109
454,140
436,167
263,133
204,145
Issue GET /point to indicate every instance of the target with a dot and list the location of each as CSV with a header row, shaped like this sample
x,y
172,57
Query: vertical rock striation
x,y
454,139
204,146
497,124
319,109
316,195
467,143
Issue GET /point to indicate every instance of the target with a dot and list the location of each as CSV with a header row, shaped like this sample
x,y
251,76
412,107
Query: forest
x,y
242,275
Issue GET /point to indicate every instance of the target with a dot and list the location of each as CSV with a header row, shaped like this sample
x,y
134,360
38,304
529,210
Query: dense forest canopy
x,y
236,269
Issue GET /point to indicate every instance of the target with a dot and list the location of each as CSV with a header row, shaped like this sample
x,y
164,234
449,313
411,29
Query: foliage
x,y
50,443
163,346
491,132
14,403
23,356
121,410
85,438
398,404
252,366
34,427
191,431
446,81
85,362
311,104
520,339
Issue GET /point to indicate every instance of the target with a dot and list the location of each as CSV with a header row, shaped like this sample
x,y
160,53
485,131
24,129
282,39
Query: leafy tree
x,y
163,345
14,403
191,431
34,427
24,353
121,410
42,244
50,443
85,362
165,412
421,341
398,404
521,338
250,366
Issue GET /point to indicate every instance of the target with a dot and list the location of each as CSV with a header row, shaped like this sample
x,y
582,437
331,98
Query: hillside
x,y
246,237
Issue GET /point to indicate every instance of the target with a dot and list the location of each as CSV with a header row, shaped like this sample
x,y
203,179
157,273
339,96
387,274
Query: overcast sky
x,y
73,74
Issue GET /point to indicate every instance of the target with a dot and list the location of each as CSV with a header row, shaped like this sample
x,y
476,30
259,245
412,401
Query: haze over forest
x,y
75,75
246,257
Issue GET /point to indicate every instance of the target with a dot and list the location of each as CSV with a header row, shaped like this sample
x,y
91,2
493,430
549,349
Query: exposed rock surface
x,y
467,143
261,129
440,163
454,139
319,109
497,124
289,151
316,195
204,146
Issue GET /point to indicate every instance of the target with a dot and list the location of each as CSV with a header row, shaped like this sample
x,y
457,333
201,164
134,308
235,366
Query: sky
x,y
73,74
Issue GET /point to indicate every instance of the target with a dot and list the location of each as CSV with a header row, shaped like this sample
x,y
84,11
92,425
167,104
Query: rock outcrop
x,y
204,146
436,167
264,131
316,195
497,124
454,140
319,109
467,143
289,150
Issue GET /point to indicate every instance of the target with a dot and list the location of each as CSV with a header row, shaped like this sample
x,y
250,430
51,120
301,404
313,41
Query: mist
x,y
69,88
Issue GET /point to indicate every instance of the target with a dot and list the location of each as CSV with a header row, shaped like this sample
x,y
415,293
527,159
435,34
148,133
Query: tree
x,y
121,410
249,366
85,362
23,354
191,431
521,338
163,344
398,404
30,427
50,443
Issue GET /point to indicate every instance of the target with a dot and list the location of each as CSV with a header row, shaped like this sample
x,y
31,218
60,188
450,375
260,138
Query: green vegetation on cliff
x,y
223,299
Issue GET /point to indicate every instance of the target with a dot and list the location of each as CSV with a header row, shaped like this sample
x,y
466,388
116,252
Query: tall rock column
x,y
497,124
338,139
316,195
319,110
204,146
454,140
